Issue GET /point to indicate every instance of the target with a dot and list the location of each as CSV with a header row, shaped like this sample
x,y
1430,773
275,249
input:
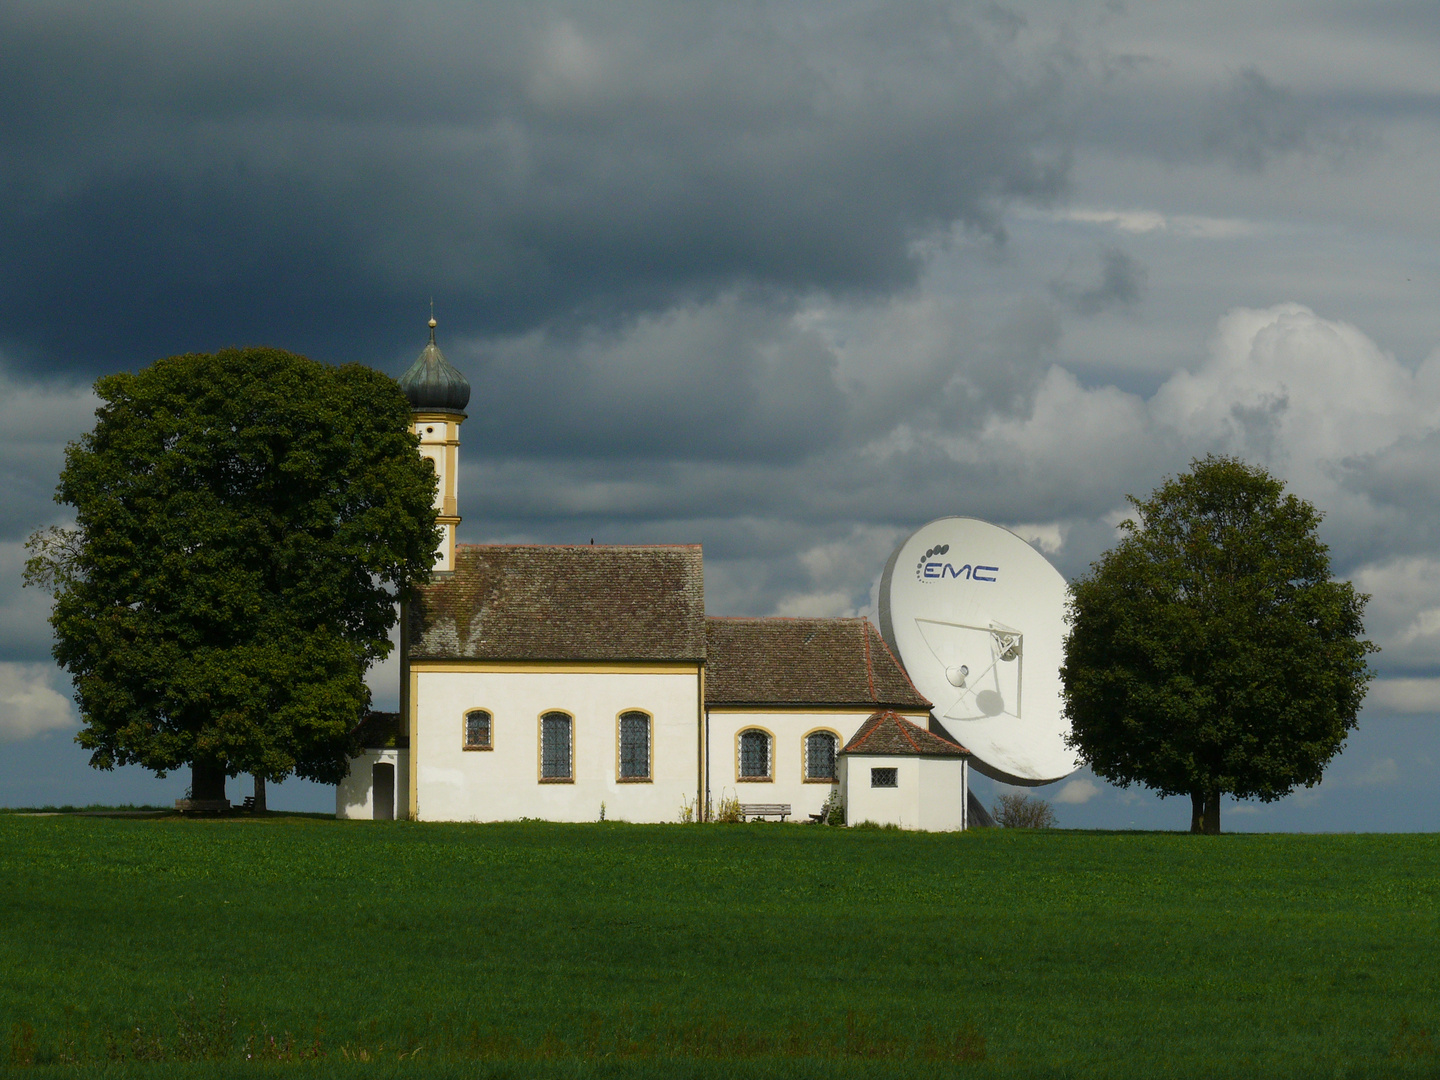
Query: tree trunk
x,y
259,806
1212,813
1197,811
207,780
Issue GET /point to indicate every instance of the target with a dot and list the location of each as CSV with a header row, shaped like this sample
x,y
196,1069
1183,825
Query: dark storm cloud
x,y
744,378
728,379
185,177
1252,120
1120,283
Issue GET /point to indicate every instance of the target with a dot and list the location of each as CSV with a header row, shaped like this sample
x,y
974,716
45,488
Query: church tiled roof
x,y
526,602
889,733
803,661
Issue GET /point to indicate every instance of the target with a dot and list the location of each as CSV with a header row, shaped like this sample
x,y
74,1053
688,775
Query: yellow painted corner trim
x,y
412,730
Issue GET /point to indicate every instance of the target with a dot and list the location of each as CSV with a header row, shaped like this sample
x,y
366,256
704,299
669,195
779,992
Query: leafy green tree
x,y
1209,650
244,525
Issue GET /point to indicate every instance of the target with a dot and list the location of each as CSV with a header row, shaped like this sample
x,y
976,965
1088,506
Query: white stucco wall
x,y
899,805
354,797
455,784
929,796
942,794
787,783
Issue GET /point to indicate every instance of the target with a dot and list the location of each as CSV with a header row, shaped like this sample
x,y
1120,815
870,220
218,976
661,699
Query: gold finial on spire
x,y
432,320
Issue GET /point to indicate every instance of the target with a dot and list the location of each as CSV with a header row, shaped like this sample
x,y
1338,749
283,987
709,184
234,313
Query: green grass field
x,y
318,947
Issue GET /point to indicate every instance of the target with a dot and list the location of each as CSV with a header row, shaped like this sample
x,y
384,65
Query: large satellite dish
x,y
977,616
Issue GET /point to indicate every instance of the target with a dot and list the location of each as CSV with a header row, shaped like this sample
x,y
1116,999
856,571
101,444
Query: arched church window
x,y
634,745
478,730
820,749
755,757
556,747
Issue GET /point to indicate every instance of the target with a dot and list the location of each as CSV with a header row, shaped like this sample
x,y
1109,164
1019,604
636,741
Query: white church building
x,y
571,683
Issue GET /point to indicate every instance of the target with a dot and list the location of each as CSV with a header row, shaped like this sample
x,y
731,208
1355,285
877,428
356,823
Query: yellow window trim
x,y
465,720
769,778
540,747
649,777
805,756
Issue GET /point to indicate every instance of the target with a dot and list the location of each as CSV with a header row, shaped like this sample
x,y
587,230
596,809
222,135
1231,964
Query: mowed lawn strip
x,y
1049,953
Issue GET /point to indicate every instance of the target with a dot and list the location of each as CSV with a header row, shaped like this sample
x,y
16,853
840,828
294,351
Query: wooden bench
x,y
203,806
763,810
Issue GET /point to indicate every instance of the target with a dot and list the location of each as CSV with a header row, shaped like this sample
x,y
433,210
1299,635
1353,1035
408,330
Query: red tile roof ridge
x,y
910,739
896,661
886,726
869,664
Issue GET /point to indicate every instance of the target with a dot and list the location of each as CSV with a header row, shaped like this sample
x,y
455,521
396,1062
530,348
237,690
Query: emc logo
x,y
931,568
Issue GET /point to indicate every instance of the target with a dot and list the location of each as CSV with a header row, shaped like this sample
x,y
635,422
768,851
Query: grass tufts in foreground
x,y
306,946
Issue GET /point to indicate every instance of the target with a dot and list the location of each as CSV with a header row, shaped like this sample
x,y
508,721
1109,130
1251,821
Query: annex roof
x,y
380,731
528,602
887,733
803,661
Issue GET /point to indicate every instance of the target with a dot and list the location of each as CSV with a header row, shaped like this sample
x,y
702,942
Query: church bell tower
x,y
438,395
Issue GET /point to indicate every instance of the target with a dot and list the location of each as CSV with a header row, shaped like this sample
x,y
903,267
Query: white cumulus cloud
x,y
1404,696
1139,222
1077,791
29,703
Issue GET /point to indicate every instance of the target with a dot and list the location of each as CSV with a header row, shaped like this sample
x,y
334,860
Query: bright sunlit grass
x,y
748,950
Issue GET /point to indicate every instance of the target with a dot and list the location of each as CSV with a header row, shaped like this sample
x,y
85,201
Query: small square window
x,y
884,777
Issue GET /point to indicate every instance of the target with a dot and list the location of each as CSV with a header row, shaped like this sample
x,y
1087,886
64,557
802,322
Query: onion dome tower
x,y
438,395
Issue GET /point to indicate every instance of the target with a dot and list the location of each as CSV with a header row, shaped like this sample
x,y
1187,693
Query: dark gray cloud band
x,y
180,177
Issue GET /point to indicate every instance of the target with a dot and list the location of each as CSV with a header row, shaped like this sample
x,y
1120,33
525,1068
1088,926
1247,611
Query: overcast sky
x,y
787,280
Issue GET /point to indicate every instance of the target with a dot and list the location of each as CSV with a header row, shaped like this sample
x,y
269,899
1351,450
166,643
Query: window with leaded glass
x,y
477,730
634,746
556,747
754,755
820,755
884,777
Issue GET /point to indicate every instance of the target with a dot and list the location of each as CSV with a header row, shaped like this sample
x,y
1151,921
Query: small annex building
x,y
570,683
895,772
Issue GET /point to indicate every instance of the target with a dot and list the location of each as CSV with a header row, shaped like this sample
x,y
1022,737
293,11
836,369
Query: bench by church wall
x,y
787,729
